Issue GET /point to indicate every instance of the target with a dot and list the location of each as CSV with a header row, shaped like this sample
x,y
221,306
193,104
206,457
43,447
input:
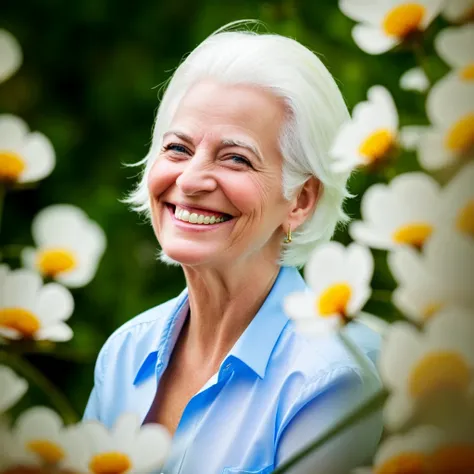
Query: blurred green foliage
x,y
90,82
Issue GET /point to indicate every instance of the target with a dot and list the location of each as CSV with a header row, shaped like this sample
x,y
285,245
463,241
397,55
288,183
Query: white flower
x,y
458,201
39,437
450,109
458,10
386,23
29,309
10,55
12,388
454,46
418,367
438,278
69,245
414,79
339,279
424,449
403,212
370,135
403,453
24,156
127,448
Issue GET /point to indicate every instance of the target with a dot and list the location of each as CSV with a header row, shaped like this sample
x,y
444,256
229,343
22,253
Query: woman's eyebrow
x,y
224,142
242,144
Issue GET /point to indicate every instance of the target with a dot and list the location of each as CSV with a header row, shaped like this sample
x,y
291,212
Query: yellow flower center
x,y
110,463
377,145
467,72
334,300
403,20
11,166
413,234
51,262
430,310
465,219
460,137
20,320
458,459
439,371
404,463
48,451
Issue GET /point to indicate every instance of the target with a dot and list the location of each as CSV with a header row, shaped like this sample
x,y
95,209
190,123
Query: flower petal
x,y
21,289
12,388
414,79
10,55
12,131
55,303
59,332
151,447
39,156
372,40
432,153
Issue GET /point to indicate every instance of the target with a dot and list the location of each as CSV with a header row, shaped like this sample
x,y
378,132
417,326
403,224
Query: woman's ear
x,y
306,202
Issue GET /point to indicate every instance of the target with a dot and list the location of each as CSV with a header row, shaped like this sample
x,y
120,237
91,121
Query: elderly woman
x,y
239,190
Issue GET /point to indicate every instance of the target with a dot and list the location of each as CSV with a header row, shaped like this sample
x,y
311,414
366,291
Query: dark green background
x,y
89,82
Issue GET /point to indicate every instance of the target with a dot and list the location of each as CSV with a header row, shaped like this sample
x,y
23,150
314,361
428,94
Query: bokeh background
x,y
90,81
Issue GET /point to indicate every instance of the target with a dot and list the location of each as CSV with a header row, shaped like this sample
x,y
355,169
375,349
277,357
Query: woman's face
x,y
220,157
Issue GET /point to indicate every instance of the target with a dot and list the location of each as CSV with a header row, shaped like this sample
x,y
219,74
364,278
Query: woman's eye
x,y
175,147
240,159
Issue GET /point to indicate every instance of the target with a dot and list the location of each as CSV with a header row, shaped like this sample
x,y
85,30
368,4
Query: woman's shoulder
x,y
313,360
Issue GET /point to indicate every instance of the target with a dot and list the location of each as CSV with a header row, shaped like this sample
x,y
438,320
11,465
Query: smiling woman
x,y
239,190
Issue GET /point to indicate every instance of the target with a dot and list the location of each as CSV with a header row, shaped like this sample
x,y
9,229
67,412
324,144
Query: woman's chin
x,y
187,256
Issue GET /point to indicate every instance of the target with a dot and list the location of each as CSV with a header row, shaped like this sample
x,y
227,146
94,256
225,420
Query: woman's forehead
x,y
231,112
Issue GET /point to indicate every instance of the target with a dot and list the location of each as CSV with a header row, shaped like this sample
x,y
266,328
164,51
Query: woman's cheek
x,y
161,177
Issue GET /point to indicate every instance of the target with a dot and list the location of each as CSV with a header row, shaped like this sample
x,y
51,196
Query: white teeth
x,y
193,218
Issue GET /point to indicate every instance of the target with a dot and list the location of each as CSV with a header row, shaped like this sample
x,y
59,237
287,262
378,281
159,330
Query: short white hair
x,y
315,112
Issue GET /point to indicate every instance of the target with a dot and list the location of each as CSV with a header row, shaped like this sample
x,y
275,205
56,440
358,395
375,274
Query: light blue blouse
x,y
275,391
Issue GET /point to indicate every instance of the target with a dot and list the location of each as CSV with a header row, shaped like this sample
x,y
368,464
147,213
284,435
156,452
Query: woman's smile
x,y
198,221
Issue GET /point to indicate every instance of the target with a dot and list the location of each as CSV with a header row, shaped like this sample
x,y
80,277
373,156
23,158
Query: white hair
x,y
316,110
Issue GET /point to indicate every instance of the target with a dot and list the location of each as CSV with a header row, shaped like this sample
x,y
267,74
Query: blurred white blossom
x,y
458,202
414,79
31,310
10,55
419,367
38,439
385,23
339,278
403,212
126,448
424,449
24,156
12,388
454,46
438,278
371,134
450,109
69,245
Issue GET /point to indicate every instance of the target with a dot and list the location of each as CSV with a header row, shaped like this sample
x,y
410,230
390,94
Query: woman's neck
x,y
221,307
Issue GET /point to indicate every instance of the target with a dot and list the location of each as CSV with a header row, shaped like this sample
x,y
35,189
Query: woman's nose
x,y
197,176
